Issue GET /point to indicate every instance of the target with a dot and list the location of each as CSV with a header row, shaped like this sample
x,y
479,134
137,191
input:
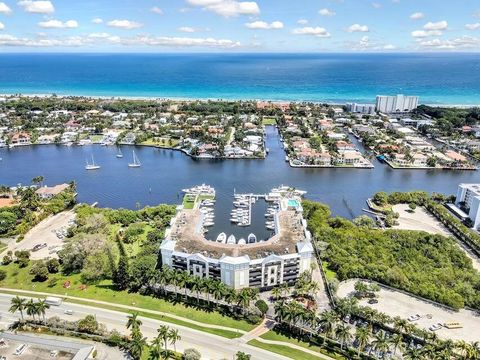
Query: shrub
x,y
53,266
3,274
191,354
262,306
39,271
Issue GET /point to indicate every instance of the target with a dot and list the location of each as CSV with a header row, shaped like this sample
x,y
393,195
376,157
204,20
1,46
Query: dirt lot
x,y
395,303
44,233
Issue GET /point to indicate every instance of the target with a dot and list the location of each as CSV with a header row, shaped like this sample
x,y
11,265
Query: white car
x,y
413,317
68,312
435,327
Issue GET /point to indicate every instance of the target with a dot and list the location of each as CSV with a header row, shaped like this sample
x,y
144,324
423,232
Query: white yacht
x,y
241,241
119,154
231,239
252,238
222,237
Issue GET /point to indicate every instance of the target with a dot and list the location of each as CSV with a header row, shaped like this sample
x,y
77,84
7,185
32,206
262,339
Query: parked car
x,y
435,327
39,246
413,317
68,312
373,301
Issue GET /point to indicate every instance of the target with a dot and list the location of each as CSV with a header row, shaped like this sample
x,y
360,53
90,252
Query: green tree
x,y
191,354
7,221
39,271
121,277
362,335
240,355
342,333
18,304
42,308
31,308
88,324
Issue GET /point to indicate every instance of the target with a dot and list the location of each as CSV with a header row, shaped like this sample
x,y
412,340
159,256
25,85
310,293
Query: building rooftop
x,y
185,236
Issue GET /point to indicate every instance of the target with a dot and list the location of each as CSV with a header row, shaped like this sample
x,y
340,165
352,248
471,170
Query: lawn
x,y
330,274
103,291
272,335
188,202
269,121
163,142
284,350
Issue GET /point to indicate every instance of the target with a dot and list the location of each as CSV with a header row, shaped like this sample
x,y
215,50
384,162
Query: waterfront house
x,y
21,138
46,192
455,156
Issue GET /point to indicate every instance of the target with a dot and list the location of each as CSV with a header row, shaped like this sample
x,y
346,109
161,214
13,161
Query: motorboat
x,y
241,241
222,237
119,154
252,238
200,189
208,223
234,220
231,239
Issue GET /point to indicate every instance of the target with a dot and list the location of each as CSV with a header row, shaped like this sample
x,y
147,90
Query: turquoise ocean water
x,y
437,78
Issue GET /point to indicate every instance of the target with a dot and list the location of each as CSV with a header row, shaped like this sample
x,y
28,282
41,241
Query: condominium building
x,y
360,108
252,262
396,104
468,199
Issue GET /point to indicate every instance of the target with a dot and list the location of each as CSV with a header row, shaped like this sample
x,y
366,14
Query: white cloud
x,y
326,12
156,10
37,7
302,22
426,33
124,24
228,8
376,5
309,30
358,28
2,26
389,47
440,25
417,16
264,25
189,29
97,21
100,39
57,24
475,26
4,9
461,43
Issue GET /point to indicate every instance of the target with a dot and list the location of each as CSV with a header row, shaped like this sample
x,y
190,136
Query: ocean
x,y
446,78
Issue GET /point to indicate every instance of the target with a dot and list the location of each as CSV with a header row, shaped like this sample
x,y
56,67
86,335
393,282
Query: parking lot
x,y
394,303
45,233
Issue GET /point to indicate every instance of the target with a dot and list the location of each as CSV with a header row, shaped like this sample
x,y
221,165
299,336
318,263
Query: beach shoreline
x,y
205,99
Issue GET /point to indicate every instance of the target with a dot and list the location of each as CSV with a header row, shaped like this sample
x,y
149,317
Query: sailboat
x,y
92,166
136,162
119,154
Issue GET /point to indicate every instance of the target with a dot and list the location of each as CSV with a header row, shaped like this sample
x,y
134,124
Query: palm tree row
x,y
32,308
158,346
329,325
212,290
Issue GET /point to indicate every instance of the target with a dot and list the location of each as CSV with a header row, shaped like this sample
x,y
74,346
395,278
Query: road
x,y
210,346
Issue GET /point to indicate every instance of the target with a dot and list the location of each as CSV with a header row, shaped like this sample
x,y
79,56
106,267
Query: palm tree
x,y
174,336
397,342
474,351
38,180
42,307
362,335
17,304
31,308
218,290
380,343
163,335
230,296
327,321
276,293
133,322
244,298
136,346
342,333
196,285
413,354
183,280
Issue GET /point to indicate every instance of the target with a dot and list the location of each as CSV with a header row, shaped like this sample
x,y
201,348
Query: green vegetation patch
x,y
272,335
284,350
104,291
269,121
431,266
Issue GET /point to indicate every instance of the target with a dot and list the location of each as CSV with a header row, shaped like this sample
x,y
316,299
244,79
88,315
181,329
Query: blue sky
x,y
239,26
